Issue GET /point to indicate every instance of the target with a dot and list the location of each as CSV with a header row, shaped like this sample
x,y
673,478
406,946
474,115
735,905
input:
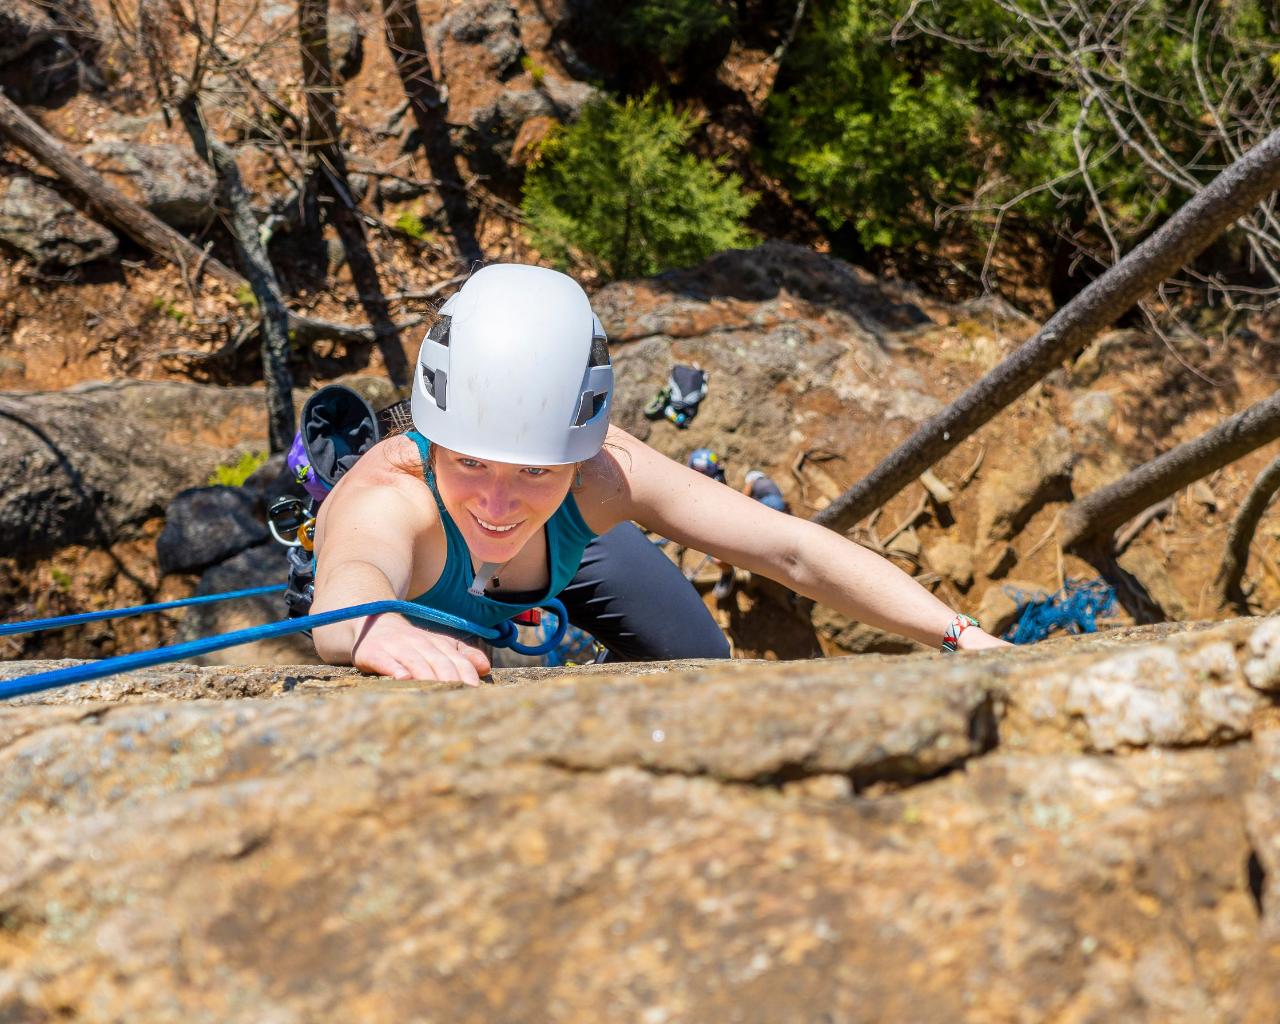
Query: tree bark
x,y
261,275
405,40
1092,519
1235,557
1185,235
327,174
142,226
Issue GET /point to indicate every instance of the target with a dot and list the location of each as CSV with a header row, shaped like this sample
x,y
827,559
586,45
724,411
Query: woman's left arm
x,y
686,506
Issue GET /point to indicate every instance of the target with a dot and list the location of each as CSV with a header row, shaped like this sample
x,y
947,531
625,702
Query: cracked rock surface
x,y
1087,830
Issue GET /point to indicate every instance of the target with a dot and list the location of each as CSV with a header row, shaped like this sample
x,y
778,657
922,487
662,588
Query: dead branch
x,y
972,471
1185,235
1131,532
911,519
142,226
1092,519
1235,555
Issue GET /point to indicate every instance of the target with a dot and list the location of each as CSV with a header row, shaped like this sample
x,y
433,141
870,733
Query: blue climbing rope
x,y
1075,608
35,625
502,635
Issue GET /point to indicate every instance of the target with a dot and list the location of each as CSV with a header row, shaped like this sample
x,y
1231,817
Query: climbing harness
x,y
1075,608
504,634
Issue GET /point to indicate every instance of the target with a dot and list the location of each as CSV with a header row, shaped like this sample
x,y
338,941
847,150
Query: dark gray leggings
x,y
633,599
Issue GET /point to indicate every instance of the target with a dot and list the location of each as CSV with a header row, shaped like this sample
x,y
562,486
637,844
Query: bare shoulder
x,y
385,487
614,476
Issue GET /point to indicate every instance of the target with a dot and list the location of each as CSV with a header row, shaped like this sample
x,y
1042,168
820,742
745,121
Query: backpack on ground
x,y
679,398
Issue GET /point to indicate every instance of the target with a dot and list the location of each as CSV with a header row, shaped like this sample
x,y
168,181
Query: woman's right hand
x,y
389,645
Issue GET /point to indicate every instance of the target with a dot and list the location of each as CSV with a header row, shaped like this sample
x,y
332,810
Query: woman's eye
x,y
536,471
468,463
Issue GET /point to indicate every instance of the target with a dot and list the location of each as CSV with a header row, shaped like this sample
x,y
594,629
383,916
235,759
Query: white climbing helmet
x,y
516,370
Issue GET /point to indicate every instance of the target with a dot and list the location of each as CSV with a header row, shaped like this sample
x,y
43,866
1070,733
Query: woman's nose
x,y
499,500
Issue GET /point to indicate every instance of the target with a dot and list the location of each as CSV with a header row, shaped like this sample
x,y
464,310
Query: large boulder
x,y
492,97
1083,831
168,180
207,525
47,229
92,463
37,63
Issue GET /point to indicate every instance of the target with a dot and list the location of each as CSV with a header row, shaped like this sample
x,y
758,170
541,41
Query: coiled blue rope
x,y
1075,608
502,635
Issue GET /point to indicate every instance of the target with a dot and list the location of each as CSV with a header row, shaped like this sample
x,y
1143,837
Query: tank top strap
x,y
424,452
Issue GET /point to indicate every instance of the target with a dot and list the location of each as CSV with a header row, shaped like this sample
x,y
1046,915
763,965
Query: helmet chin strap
x,y
486,575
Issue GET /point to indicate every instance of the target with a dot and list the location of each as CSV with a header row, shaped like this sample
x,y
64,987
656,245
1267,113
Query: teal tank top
x,y
567,537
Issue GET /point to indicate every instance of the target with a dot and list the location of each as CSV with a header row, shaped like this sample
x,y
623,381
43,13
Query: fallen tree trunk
x,y
148,230
1184,236
1235,557
1091,521
141,225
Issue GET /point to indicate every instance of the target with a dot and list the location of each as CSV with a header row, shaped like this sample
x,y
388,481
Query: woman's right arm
x,y
368,534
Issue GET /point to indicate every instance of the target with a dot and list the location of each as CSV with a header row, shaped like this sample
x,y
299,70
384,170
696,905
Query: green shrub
x,y
916,137
619,191
234,474
245,296
674,28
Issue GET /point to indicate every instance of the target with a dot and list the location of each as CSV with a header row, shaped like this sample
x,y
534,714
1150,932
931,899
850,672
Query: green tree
x,y
674,28
619,191
1078,124
868,135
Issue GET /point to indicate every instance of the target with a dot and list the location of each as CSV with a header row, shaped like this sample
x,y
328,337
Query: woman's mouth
x,y
494,529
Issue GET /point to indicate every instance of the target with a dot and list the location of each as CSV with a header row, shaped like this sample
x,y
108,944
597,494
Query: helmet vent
x,y
439,332
599,351
589,407
436,382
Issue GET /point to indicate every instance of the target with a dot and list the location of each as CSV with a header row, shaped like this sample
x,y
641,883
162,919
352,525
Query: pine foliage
x,y
619,191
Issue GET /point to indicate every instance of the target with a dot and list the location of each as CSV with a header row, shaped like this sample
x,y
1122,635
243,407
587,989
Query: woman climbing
x,y
525,492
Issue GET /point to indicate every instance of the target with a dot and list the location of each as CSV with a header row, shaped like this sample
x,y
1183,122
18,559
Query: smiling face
x,y
498,506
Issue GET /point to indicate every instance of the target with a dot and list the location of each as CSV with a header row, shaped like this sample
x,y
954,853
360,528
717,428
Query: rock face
x,y
168,180
47,229
1085,830
89,464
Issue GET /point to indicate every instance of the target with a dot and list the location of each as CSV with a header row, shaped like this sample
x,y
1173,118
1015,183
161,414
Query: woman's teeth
x,y
494,527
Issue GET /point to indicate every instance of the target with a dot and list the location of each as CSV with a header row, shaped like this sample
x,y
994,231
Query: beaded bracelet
x,y
951,636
